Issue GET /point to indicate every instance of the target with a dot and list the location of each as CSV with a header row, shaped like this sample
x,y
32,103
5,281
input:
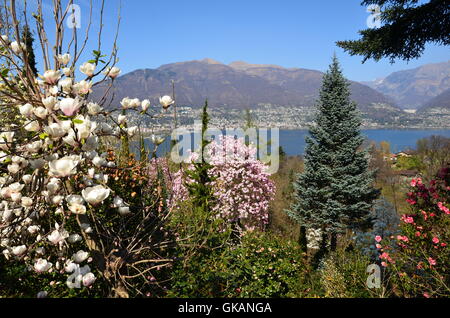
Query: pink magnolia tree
x,y
419,256
241,186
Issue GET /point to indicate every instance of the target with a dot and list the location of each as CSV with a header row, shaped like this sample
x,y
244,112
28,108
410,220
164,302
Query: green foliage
x,y
201,258
344,275
419,257
265,265
409,163
335,191
200,190
18,282
407,27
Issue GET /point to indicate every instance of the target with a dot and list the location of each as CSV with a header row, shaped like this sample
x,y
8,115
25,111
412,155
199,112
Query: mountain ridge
x,y
238,84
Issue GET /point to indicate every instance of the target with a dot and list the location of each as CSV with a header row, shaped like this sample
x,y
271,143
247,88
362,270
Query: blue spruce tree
x,y
335,191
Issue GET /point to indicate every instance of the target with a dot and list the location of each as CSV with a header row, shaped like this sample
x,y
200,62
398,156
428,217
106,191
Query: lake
x,y
293,141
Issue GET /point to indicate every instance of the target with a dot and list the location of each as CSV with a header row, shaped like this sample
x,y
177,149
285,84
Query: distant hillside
x,y
440,101
415,87
238,85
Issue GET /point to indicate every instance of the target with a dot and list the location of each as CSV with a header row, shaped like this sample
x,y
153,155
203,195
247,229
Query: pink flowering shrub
x,y
242,188
419,256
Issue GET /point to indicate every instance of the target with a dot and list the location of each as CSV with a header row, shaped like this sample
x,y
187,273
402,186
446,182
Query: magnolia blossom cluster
x,y
241,186
53,175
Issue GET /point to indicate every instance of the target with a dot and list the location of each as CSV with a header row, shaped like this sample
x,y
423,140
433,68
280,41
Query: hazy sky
x,y
290,33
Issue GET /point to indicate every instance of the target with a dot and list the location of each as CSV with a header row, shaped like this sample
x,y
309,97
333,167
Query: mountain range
x,y
242,85
417,88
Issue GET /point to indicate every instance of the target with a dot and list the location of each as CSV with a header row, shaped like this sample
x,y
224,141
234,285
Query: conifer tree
x,y
335,191
200,190
28,39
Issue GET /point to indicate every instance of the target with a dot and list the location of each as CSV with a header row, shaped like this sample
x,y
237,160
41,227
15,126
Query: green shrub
x,y
344,275
265,265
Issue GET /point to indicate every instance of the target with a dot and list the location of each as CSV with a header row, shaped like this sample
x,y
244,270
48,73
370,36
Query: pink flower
x,y
435,240
426,295
413,182
431,261
384,264
378,246
402,238
443,244
384,255
443,208
378,238
69,106
407,219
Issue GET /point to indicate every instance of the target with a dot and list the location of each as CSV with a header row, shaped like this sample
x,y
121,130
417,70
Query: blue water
x,y
293,141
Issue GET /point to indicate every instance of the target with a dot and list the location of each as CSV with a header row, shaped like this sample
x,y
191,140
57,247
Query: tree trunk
x,y
303,240
333,242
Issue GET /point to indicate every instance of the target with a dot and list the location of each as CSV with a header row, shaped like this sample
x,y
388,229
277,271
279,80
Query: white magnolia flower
x,y
93,109
5,38
132,131
32,126
17,47
64,58
57,199
37,163
16,197
157,140
88,69
83,87
19,250
40,112
80,256
13,168
95,195
69,106
51,77
84,127
99,161
166,101
124,210
33,229
67,71
73,238
49,102
126,103
58,236
6,137
34,146
88,279
77,208
145,105
27,178
86,227
54,185
112,72
16,187
135,103
118,202
121,119
74,199
53,90
66,84
26,110
55,130
42,265
64,167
